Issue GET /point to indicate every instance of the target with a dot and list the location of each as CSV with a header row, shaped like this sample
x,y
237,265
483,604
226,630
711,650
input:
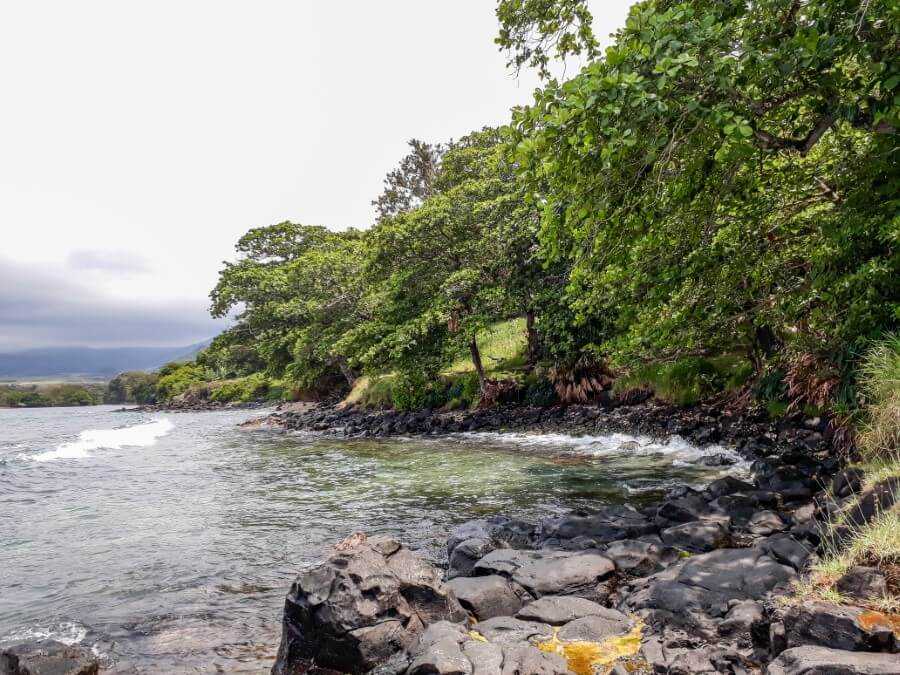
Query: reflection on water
x,y
168,546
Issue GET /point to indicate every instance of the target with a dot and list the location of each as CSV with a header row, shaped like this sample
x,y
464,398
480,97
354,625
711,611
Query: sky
x,y
140,140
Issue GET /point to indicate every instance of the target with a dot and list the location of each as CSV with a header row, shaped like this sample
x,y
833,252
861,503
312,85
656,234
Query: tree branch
x,y
803,145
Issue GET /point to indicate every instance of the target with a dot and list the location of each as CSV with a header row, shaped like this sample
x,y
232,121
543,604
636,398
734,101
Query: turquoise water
x,y
166,542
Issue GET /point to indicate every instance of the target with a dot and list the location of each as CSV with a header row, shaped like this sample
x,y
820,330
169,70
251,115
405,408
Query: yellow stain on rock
x,y
475,635
588,658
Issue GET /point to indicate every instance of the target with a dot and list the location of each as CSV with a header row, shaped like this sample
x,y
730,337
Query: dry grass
x,y
876,544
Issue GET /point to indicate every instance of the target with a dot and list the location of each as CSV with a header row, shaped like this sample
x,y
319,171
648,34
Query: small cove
x,y
166,542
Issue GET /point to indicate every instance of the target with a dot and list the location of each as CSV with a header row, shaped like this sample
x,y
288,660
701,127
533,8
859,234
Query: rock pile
x,y
691,585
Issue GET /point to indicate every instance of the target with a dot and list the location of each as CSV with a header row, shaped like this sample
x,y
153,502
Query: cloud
x,y
41,308
114,262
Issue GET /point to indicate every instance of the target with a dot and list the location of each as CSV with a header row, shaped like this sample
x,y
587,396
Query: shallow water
x,y
166,542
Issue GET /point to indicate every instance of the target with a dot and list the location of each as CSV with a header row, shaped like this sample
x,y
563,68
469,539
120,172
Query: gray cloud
x,y
40,308
114,262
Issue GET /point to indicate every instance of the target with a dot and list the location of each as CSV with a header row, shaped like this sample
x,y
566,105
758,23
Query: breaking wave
x,y
136,436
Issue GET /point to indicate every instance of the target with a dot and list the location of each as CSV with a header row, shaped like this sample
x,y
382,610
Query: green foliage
x,y
177,378
880,438
723,179
132,387
50,395
538,391
243,390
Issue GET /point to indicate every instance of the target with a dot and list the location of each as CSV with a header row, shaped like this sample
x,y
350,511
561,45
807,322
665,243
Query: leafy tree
x,y
709,182
412,182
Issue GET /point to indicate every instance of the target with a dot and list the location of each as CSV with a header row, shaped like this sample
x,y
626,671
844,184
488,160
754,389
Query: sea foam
x,y
136,436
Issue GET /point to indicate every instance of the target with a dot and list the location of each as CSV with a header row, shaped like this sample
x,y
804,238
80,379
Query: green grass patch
x,y
689,380
502,349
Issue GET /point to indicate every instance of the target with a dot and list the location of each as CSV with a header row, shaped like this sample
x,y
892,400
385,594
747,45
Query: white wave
x,y
137,436
682,451
67,632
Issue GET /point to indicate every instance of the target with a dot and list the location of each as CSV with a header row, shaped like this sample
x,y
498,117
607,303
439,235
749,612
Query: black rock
x,y
699,536
824,661
47,657
863,583
361,608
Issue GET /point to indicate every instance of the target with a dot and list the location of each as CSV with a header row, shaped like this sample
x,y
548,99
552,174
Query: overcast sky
x,y
139,140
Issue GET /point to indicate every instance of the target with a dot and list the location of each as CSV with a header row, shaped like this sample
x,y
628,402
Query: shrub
x,y
538,391
177,378
880,382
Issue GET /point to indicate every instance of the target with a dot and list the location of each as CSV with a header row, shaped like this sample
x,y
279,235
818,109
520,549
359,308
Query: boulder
x,y
847,482
551,572
363,607
498,531
639,558
699,536
726,486
764,523
787,550
508,630
699,592
611,523
595,628
557,610
862,583
486,597
466,553
849,628
824,661
47,657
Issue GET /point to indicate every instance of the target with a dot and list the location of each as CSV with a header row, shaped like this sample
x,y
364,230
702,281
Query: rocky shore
x,y
701,582
698,583
795,439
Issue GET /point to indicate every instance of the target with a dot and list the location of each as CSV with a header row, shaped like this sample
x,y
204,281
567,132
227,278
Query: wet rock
x,y
639,558
609,524
682,510
727,486
824,661
864,583
501,531
850,628
697,536
364,606
486,597
465,554
47,657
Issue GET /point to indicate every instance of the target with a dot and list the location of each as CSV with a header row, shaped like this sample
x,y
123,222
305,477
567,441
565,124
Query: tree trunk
x,y
476,361
348,372
533,343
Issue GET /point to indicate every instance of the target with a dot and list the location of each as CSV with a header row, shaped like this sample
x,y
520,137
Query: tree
x,y
412,182
709,182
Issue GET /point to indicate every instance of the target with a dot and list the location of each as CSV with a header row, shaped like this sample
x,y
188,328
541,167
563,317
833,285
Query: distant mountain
x,y
67,362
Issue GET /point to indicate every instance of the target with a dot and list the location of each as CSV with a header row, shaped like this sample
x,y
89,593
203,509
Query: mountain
x,y
90,362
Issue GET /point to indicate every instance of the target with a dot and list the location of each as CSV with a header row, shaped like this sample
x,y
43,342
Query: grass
x,y
502,349
688,380
876,544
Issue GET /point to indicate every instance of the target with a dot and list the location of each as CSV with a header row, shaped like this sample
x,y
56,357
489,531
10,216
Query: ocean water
x,y
166,542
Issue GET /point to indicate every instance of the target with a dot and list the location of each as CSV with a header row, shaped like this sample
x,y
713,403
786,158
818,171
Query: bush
x,y
132,387
880,382
684,382
177,378
241,390
410,392
538,391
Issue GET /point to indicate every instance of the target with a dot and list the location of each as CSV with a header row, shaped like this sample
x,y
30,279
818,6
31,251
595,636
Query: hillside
x,y
68,362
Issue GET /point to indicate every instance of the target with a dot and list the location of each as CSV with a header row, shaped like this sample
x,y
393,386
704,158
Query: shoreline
x,y
699,581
